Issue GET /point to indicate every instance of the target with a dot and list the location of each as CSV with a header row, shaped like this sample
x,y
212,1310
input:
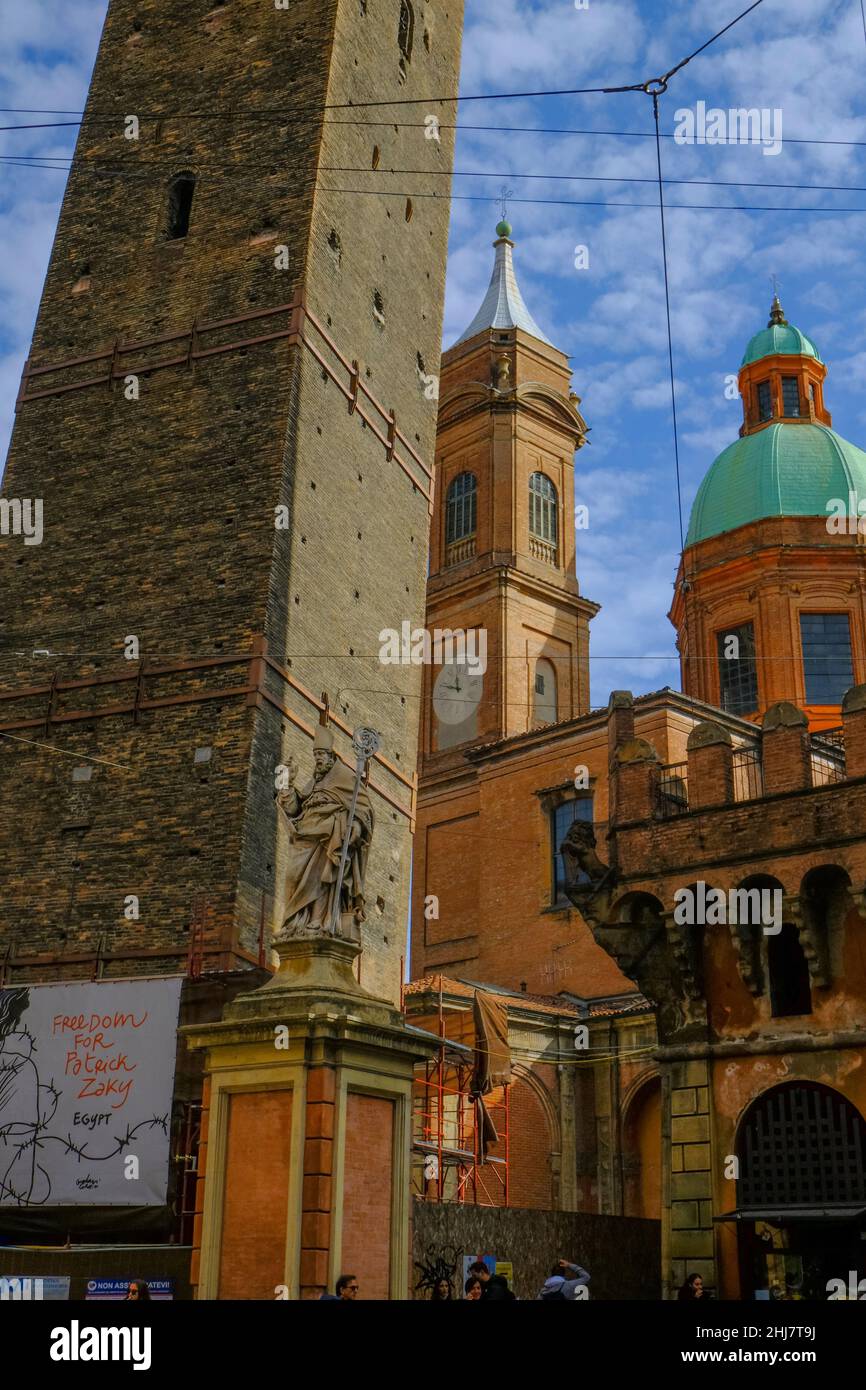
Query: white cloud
x,y
805,58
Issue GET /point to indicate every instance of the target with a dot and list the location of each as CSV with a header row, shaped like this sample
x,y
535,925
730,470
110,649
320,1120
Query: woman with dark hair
x,y
474,1289
693,1288
138,1290
441,1291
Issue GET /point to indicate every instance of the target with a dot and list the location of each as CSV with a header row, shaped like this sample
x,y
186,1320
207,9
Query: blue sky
x,y
805,57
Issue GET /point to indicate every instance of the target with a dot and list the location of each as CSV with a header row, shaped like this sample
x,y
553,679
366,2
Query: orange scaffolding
x,y
449,1162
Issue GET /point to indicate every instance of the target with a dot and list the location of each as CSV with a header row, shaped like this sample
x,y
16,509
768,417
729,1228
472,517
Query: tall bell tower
x,y
502,558
225,423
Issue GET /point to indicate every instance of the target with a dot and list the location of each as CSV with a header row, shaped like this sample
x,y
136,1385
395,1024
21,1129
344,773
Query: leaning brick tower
x,y
228,420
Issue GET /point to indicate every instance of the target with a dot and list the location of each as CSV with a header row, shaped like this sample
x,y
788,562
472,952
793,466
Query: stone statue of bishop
x,y
318,816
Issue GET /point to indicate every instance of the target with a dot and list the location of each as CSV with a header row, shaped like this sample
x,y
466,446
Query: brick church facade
x,y
720,1087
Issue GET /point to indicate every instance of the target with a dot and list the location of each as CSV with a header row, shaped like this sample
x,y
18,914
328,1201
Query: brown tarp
x,y
492,1065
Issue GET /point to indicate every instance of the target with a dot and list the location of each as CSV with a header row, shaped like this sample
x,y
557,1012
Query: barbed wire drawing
x,y
28,1106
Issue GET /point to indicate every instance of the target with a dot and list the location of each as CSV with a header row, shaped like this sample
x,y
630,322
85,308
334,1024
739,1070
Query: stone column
x,y
309,1134
568,1141
711,766
634,777
854,726
690,1238
620,730
786,749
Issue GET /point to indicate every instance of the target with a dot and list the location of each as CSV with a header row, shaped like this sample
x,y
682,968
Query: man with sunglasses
x,y
346,1290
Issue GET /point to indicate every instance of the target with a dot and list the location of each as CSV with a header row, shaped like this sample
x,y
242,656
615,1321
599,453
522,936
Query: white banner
x,y
86,1082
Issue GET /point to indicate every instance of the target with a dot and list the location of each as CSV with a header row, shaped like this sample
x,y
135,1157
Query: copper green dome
x,y
783,470
779,336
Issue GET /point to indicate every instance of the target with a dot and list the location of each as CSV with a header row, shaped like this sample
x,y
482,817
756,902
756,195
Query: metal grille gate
x,y
802,1145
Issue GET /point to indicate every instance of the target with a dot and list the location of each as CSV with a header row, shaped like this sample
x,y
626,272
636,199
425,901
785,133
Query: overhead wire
x,y
479,96
62,752
535,202
659,84
704,46
721,142
66,162
655,101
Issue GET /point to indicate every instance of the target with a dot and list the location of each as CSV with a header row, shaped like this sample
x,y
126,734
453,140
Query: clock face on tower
x,y
456,693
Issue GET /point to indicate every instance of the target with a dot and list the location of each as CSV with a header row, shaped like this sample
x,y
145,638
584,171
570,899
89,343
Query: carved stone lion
x,y
580,855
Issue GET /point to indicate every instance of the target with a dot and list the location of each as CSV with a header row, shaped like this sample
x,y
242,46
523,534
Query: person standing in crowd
x,y
563,1283
441,1291
479,1271
693,1288
137,1290
473,1289
494,1287
346,1290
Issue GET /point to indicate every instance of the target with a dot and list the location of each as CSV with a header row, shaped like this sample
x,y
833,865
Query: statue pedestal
x,y
306,1133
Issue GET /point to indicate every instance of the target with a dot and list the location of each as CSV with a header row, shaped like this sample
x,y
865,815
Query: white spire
x,y
503,306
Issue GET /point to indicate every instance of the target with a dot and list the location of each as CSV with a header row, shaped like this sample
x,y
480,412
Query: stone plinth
x,y
306,1134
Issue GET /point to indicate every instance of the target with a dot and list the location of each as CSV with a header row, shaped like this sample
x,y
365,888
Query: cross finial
x,y
777,313
504,194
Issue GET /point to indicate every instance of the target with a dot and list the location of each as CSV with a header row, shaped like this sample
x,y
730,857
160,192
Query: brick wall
x,y
768,573
367,1193
159,513
621,1253
530,1177
253,1245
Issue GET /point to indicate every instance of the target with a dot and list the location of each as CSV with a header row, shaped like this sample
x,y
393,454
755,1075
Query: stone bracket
x,y
813,937
858,898
684,948
747,944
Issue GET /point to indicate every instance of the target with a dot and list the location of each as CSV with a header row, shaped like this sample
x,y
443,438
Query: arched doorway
x,y
801,1192
642,1156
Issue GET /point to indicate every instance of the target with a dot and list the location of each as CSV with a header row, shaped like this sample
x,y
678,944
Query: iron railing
x,y
827,757
748,774
672,793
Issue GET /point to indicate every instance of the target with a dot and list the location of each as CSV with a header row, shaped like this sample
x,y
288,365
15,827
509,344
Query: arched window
x,y
542,509
544,694
180,193
788,969
461,503
406,29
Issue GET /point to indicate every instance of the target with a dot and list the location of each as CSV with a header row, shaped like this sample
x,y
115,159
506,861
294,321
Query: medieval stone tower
x,y
228,421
